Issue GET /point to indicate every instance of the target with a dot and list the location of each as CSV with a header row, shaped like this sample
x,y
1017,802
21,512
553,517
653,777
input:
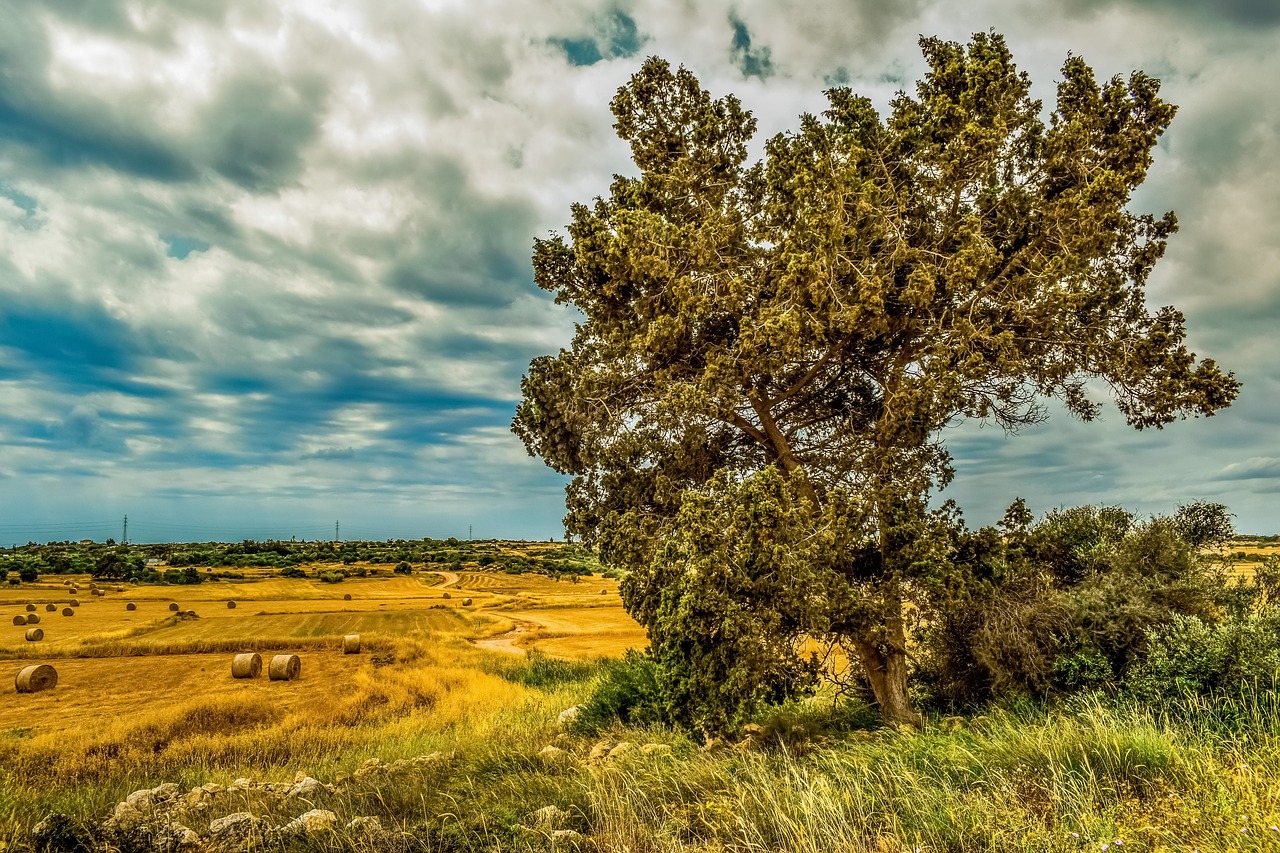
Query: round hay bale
x,y
74,602
247,665
96,592
67,611
73,590
284,668
131,606
35,635
119,589
604,592
30,607
447,596
189,614
19,619
33,619
66,583
37,677
51,608
231,605
173,605
466,602
351,644
346,597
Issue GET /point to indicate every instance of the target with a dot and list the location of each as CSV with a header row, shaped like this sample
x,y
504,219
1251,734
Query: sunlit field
x,y
110,659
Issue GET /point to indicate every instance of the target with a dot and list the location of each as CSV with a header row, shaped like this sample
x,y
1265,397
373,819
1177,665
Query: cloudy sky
x,y
264,264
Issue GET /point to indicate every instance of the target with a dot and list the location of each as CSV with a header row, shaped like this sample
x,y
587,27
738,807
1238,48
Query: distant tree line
x,y
178,563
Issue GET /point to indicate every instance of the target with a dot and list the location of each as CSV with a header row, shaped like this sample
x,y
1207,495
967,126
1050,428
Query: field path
x,y
450,578
509,642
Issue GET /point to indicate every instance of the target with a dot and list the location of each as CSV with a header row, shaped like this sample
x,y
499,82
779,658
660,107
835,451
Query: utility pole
x,y
336,537
468,532
124,537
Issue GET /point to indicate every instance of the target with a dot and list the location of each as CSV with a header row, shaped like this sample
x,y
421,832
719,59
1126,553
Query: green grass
x,y
824,778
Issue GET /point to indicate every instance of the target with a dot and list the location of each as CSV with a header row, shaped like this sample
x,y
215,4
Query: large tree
x,y
752,405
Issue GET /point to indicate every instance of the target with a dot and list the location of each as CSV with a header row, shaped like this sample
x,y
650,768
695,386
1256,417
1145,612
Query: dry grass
x,y
112,661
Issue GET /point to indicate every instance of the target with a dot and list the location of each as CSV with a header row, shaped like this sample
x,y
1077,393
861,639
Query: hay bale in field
x,y
67,611
247,665
96,592
30,607
131,606
604,592
231,605
19,619
466,602
346,597
173,605
447,596
74,602
119,589
284,668
66,583
52,608
351,644
37,677
73,590
35,635
188,614
33,619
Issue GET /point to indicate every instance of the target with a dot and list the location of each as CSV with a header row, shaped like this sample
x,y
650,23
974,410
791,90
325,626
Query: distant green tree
x,y
111,565
799,331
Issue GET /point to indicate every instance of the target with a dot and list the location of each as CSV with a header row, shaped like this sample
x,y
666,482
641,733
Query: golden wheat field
x,y
115,664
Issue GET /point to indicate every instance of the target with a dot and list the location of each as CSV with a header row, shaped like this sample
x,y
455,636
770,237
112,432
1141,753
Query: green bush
x,y
1189,656
292,572
332,576
629,693
403,568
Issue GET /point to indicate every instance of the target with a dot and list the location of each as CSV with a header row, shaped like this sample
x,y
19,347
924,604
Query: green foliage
x,y
826,312
1068,604
332,576
546,673
629,692
403,568
292,572
1189,656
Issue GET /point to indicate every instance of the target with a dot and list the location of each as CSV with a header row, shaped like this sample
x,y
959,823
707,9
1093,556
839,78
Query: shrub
x,y
1189,656
332,576
629,693
292,572
403,568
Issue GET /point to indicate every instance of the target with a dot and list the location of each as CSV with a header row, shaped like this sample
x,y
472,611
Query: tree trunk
x,y
886,669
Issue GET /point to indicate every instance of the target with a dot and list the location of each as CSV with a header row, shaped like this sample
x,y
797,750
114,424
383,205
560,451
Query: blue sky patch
x,y
182,247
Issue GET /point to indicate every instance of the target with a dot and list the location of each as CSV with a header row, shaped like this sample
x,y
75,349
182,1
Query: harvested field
x,y
102,653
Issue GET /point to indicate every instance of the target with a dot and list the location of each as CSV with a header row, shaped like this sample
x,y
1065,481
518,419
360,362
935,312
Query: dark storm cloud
x,y
259,125
1247,13
278,255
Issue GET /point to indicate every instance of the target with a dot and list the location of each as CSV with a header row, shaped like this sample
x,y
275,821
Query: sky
x,y
264,264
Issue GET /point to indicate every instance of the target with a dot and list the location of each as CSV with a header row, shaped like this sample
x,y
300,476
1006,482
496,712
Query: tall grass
x,y
1089,773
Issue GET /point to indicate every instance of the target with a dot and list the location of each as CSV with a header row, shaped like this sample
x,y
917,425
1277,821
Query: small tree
x,y
823,314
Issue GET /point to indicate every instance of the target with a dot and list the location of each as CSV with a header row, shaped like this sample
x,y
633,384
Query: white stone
x,y
308,823
308,787
548,817
568,715
234,830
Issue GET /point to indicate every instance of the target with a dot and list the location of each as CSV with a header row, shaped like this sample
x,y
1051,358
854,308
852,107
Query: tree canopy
x,y
752,405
